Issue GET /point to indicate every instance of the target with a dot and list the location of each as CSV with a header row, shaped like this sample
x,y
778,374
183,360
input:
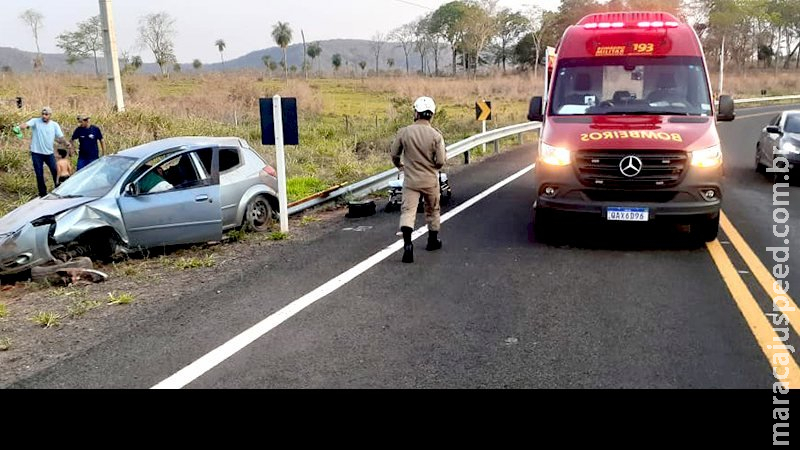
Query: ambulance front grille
x,y
660,169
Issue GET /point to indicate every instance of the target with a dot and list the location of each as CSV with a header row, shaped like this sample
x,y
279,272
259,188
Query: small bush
x,y
123,298
46,319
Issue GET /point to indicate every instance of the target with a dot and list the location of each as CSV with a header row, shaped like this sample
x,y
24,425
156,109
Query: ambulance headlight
x,y
555,156
708,157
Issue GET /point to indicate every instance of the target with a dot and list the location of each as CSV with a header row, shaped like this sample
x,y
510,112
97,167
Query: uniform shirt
x,y
422,150
87,138
44,135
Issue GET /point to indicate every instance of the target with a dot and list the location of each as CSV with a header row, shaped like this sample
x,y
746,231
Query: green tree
x,y
86,41
197,64
480,26
282,34
176,68
266,59
221,45
314,50
156,32
390,62
336,61
510,26
136,63
448,21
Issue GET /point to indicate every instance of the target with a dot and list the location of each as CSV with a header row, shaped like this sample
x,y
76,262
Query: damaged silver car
x,y
168,192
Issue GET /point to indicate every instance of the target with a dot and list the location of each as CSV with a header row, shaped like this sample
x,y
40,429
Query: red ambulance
x,y
629,126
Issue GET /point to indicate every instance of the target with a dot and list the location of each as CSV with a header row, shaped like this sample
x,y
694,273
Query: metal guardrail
x,y
381,180
767,99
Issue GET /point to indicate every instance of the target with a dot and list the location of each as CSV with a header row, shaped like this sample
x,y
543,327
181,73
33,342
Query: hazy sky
x,y
245,25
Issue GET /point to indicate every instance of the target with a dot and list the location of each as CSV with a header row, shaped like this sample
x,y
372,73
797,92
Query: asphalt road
x,y
615,307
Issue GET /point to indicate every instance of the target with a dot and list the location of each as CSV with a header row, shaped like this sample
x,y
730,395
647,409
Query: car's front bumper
x,y
26,248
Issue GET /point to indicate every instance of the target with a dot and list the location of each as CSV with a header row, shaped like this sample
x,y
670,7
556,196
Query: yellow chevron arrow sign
x,y
483,110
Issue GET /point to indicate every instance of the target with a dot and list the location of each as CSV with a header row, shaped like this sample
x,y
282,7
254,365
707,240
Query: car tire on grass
x,y
258,216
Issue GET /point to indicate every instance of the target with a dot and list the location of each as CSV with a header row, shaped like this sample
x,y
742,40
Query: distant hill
x,y
353,51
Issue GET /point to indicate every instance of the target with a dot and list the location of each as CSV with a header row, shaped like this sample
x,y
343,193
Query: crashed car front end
x,y
26,247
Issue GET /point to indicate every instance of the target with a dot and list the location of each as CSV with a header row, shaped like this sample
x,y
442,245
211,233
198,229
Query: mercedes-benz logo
x,y
630,166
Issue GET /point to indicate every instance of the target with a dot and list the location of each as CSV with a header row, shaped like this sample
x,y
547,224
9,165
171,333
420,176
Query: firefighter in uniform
x,y
418,150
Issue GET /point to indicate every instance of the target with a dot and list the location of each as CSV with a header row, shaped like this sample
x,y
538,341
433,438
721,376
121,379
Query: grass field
x,y
346,124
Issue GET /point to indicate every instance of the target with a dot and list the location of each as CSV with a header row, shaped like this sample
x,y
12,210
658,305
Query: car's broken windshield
x,y
96,179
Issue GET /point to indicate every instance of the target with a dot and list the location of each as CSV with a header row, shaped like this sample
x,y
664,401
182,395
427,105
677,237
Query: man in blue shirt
x,y
88,137
45,132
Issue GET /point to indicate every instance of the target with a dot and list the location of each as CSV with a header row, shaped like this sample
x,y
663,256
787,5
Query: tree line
x,y
465,35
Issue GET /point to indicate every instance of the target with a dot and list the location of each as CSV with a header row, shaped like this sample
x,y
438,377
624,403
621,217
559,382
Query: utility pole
x,y
110,53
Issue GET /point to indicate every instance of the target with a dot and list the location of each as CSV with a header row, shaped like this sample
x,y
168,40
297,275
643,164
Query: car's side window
x,y
775,120
228,159
170,173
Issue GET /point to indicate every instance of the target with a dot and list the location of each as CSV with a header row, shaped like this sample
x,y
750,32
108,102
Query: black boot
x,y
434,243
408,247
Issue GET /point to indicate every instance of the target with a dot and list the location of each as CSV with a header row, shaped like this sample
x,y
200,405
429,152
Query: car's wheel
x,y
99,245
706,230
760,168
392,207
258,216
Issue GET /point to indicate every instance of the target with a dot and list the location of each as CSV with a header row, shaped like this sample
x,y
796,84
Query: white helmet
x,y
423,104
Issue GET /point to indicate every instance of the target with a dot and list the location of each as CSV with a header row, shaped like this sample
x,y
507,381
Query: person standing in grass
x,y
45,132
88,137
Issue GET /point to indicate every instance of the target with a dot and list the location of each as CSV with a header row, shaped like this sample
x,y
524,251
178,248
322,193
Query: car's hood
x,y
630,132
37,208
794,138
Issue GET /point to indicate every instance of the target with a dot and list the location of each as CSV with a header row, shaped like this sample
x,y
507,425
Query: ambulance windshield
x,y
648,85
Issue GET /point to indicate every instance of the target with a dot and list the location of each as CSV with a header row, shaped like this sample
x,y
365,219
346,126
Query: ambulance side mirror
x,y
535,113
726,112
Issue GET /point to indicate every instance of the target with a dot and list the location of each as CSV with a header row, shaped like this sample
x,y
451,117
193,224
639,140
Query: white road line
x,y
210,360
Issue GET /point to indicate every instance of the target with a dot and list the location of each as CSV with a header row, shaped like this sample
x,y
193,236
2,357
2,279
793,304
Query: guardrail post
x,y
497,146
519,139
466,157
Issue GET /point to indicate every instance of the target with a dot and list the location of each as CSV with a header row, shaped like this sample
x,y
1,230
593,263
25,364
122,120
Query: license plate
x,y
628,214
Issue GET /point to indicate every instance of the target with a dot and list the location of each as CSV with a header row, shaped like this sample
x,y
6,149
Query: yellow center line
x,y
784,366
760,271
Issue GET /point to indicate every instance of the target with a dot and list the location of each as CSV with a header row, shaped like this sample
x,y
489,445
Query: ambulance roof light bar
x,y
617,25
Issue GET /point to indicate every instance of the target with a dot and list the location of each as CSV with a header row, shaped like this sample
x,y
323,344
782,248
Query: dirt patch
x,y
41,325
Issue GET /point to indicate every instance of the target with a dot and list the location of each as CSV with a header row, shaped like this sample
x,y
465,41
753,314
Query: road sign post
x,y
483,112
280,157
279,128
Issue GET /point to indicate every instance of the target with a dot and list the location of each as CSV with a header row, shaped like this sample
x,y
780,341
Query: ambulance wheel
x,y
706,230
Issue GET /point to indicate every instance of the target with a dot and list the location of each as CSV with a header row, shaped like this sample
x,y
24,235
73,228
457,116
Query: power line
x,y
415,4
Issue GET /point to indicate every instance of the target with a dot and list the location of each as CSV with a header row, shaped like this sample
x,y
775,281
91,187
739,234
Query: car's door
x,y
174,200
233,182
